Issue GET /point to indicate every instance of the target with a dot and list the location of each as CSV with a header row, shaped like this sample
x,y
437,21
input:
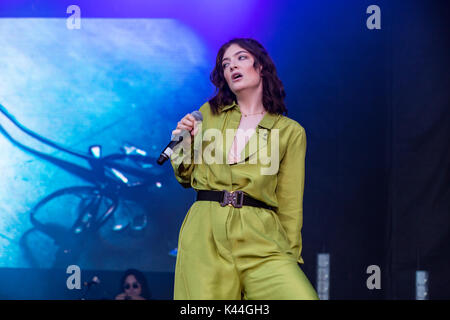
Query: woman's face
x,y
131,286
238,70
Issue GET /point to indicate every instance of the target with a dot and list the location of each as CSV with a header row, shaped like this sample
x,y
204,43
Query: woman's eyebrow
x,y
234,55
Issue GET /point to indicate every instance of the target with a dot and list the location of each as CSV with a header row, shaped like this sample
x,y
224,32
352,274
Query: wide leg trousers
x,y
227,253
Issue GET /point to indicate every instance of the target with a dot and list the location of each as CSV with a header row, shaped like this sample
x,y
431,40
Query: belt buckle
x,y
232,198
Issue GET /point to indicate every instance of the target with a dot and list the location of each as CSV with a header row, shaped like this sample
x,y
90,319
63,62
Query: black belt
x,y
236,198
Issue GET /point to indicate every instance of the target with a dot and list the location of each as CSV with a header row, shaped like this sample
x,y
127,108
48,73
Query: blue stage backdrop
x,y
114,81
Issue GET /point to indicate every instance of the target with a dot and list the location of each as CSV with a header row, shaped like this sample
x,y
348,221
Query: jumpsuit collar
x,y
266,122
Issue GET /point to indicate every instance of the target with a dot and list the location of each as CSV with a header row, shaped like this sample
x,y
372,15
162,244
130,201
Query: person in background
x,y
133,286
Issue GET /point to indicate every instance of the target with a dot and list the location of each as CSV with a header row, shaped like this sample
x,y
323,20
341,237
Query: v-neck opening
x,y
244,149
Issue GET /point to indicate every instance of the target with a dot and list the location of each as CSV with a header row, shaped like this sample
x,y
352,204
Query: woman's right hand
x,y
186,123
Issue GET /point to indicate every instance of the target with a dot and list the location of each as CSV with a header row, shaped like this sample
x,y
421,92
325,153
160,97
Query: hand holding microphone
x,y
187,125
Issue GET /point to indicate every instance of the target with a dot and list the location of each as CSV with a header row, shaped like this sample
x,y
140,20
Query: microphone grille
x,y
197,115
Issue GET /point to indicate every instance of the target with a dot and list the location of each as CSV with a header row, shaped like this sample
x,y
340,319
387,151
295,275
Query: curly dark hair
x,y
140,277
273,90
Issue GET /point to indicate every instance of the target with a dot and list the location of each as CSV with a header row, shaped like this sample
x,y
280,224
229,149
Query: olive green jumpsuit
x,y
243,253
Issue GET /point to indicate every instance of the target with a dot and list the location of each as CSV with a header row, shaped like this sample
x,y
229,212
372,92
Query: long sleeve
x,y
180,164
290,187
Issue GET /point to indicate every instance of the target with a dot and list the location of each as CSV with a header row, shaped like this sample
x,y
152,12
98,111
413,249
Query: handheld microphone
x,y
176,139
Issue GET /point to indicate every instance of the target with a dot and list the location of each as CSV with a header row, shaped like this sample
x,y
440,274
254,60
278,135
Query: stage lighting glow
x,y
96,151
173,253
118,227
323,276
421,285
